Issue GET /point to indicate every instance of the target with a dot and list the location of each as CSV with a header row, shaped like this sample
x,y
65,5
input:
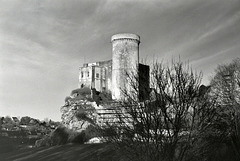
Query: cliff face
x,y
85,107
79,111
79,115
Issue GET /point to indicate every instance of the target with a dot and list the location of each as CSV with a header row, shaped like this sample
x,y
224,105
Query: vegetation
x,y
182,119
20,133
224,130
72,152
61,136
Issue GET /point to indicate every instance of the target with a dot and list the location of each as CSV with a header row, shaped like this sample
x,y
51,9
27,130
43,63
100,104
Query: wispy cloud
x,y
42,43
233,20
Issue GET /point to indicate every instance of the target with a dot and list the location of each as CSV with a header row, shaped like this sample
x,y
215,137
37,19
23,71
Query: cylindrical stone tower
x,y
125,59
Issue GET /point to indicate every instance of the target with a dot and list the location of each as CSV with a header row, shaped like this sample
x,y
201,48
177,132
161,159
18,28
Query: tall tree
x,y
163,126
225,87
8,123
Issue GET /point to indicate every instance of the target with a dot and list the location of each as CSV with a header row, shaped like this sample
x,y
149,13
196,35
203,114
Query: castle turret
x,y
125,59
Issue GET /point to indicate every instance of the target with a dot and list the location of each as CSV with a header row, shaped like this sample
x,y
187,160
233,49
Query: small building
x,y
15,119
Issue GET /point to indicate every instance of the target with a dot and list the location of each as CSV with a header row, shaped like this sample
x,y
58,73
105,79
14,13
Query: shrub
x,y
79,138
82,91
59,136
62,135
106,96
46,141
84,136
67,99
91,132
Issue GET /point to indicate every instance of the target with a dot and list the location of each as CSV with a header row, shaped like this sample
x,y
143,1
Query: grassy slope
x,y
70,152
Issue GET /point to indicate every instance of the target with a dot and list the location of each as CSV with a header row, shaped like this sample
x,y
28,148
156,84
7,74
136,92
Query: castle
x,y
111,75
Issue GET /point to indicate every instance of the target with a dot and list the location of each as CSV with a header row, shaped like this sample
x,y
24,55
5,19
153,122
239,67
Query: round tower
x,y
125,59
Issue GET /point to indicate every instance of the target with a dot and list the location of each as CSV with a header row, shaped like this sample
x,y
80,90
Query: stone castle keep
x,y
111,75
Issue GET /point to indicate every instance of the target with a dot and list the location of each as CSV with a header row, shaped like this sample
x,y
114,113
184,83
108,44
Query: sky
x,y
44,42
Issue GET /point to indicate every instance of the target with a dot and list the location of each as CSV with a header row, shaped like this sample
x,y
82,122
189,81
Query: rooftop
x,y
125,36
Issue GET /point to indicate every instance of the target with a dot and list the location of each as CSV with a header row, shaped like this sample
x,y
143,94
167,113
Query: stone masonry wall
x,y
125,57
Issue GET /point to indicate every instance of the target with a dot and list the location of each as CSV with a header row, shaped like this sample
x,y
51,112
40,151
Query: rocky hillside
x,y
85,107
79,114
78,111
82,107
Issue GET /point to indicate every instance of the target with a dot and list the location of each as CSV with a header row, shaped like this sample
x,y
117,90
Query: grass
x,y
13,144
71,152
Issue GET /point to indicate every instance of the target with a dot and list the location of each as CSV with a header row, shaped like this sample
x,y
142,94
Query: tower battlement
x,y
125,36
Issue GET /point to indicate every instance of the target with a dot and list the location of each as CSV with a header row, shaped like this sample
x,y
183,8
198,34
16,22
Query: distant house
x,y
15,119
34,122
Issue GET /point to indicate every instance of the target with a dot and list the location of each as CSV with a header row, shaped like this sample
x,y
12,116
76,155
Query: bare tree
x,y
163,126
225,86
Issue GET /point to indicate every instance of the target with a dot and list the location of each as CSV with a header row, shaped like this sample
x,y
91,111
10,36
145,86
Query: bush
x,y
81,91
59,136
105,96
91,132
62,135
84,136
79,138
46,141
67,99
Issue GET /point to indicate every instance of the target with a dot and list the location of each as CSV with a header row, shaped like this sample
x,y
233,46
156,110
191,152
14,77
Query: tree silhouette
x,y
162,127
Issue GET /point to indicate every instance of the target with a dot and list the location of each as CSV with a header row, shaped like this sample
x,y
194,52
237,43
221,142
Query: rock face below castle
x,y
81,110
79,116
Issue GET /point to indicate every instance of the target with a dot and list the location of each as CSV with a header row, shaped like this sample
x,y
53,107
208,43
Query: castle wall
x,y
144,82
85,76
97,81
96,75
125,58
106,74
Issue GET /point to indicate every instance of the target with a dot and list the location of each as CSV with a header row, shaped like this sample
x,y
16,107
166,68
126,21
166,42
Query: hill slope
x,y
70,152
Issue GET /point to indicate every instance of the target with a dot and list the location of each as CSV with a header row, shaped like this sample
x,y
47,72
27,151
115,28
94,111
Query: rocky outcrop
x,y
79,111
84,108
78,114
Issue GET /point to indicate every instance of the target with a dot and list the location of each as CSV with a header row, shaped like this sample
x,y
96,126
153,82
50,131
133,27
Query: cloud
x,y
44,42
